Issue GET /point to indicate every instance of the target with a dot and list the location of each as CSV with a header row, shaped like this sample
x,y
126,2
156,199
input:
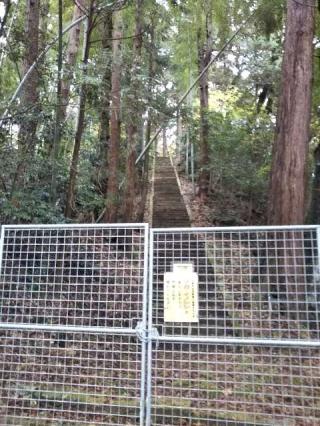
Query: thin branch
x,y
120,38
80,7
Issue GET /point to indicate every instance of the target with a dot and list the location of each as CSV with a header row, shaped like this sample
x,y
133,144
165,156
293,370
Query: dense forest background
x,y
87,85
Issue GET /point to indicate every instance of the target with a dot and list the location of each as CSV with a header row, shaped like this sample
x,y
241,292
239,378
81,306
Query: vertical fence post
x,y
1,258
1,246
144,327
317,278
150,341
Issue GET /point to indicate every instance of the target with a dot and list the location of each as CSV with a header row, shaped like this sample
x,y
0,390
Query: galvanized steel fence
x,y
220,326
73,299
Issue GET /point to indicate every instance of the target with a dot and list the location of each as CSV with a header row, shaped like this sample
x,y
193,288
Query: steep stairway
x,y
169,209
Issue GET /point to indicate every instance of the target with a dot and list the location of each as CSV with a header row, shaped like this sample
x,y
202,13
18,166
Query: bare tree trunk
x,y
30,95
204,57
71,191
145,170
115,123
57,127
134,117
287,194
104,134
71,57
289,167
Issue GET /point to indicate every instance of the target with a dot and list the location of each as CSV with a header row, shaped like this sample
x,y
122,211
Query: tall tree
x,y
289,166
151,48
112,195
30,93
104,133
71,191
134,116
57,126
70,58
205,48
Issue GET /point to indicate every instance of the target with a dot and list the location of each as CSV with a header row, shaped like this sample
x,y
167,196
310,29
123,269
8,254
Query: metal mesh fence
x,y
73,276
55,378
232,334
253,354
71,299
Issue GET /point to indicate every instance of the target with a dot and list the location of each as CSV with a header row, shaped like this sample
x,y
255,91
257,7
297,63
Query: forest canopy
x,y
90,88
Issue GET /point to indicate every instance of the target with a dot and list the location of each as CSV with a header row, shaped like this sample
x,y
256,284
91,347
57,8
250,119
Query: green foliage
x,y
240,153
240,134
31,206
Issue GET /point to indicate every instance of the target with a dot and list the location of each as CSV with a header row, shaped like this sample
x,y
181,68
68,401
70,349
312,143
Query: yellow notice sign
x,y
181,294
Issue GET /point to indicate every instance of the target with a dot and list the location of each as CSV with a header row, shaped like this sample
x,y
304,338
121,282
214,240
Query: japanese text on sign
x,y
181,294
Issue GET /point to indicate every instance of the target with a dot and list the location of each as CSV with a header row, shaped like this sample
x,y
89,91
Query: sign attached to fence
x,y
181,294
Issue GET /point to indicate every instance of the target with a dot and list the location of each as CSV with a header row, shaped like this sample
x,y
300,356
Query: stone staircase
x,y
169,209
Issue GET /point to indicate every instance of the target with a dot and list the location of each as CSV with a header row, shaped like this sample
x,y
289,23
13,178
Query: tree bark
x,y
149,123
287,192
71,191
289,166
204,57
57,127
70,60
134,117
30,95
104,133
112,195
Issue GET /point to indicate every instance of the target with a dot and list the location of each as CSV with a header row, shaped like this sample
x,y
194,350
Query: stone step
x,y
169,209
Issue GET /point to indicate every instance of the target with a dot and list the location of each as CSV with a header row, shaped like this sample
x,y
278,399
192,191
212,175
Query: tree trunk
x,y
287,194
70,60
204,57
30,95
104,134
115,123
289,167
57,127
71,191
134,117
145,170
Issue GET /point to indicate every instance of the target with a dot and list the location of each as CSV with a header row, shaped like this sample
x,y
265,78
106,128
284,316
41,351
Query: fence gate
x,y
73,305
232,335
234,327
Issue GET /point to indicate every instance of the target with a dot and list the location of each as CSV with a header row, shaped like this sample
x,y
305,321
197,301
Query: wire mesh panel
x,y
54,378
89,276
252,354
72,299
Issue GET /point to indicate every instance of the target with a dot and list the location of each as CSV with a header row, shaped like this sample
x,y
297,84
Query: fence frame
x,y
153,336
145,331
139,331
